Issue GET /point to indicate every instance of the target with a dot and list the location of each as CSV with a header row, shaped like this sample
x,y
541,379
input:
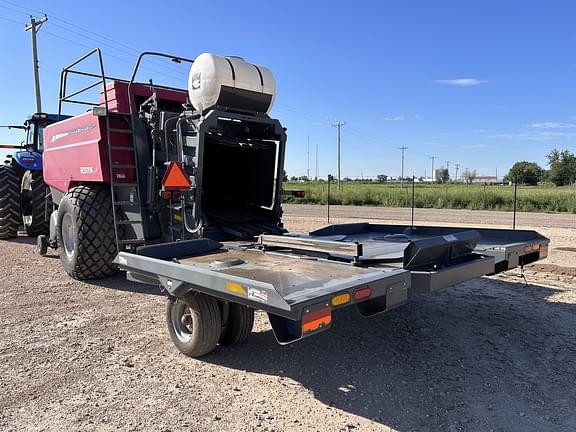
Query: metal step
x,y
117,148
127,203
132,241
124,184
118,166
128,222
116,130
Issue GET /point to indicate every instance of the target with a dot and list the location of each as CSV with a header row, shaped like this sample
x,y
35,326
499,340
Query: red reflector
x,y
176,177
362,293
298,194
316,320
543,251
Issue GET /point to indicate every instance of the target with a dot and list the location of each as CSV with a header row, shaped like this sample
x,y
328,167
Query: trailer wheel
x,y
194,323
9,202
85,234
238,326
33,203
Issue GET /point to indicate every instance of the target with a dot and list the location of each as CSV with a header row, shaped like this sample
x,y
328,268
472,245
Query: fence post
x,y
515,197
329,177
413,199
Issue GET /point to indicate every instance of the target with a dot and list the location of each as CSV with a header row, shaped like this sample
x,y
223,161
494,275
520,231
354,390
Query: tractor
x,y
24,199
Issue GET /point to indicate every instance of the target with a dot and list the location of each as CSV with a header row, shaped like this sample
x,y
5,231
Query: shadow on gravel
x,y
22,239
487,355
119,283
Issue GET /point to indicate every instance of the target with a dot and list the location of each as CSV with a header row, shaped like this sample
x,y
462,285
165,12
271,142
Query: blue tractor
x,y
24,198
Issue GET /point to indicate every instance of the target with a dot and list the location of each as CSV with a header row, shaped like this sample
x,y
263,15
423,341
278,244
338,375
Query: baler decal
x,y
72,132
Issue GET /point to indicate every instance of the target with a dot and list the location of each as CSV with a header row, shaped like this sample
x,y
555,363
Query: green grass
x,y
453,196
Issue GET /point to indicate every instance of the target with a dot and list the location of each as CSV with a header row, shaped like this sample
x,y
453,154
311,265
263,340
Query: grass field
x,y
453,196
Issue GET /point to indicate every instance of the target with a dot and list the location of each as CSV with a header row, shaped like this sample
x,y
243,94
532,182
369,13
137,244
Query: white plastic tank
x,y
231,82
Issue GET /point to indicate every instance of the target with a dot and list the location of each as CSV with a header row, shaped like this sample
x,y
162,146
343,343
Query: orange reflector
x,y
176,177
316,320
340,299
362,293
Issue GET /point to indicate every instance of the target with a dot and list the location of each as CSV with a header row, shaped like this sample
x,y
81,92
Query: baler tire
x,y
9,202
85,234
199,335
33,203
239,325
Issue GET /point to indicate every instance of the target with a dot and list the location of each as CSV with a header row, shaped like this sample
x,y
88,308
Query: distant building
x,y
485,179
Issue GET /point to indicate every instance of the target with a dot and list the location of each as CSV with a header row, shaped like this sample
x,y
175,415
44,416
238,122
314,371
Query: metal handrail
x,y
174,58
63,97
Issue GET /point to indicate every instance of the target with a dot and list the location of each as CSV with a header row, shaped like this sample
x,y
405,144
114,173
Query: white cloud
x,y
417,116
552,125
474,146
535,136
461,82
394,118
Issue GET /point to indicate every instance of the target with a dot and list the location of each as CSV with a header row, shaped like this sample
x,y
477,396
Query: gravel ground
x,y
489,354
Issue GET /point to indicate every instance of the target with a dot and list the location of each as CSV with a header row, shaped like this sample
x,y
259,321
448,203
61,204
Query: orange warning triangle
x,y
176,178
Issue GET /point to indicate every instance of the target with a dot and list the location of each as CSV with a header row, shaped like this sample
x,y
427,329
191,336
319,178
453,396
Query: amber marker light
x,y
340,299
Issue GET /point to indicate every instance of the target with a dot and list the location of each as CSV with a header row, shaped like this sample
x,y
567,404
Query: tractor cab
x,y
29,155
24,199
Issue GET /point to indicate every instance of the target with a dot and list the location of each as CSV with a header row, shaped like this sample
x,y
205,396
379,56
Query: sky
x,y
479,84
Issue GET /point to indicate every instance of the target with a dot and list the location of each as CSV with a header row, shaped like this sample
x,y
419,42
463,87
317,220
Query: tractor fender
x,y
28,160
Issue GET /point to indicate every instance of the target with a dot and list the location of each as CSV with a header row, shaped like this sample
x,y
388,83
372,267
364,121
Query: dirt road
x,y
490,354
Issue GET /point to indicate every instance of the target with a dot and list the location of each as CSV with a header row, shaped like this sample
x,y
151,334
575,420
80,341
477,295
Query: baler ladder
x,y
124,184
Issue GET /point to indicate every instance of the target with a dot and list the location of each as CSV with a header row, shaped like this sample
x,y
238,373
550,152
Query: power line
x,y
338,125
402,174
433,174
33,27
308,160
316,176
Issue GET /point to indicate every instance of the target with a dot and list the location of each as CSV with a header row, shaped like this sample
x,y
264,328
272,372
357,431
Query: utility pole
x,y
308,160
448,169
433,174
316,176
34,26
402,173
338,125
457,166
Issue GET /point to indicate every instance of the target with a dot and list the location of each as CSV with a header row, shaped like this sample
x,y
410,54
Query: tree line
x,y
561,172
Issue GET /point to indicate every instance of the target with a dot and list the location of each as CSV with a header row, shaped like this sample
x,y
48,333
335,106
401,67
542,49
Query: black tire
x,y
42,244
194,323
238,326
9,202
85,234
33,203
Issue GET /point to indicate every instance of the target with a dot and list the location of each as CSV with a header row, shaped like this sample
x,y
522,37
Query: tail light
x,y
362,293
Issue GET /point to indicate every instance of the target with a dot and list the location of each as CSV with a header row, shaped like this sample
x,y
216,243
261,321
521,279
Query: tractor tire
x,y
238,326
85,234
194,323
33,203
9,202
